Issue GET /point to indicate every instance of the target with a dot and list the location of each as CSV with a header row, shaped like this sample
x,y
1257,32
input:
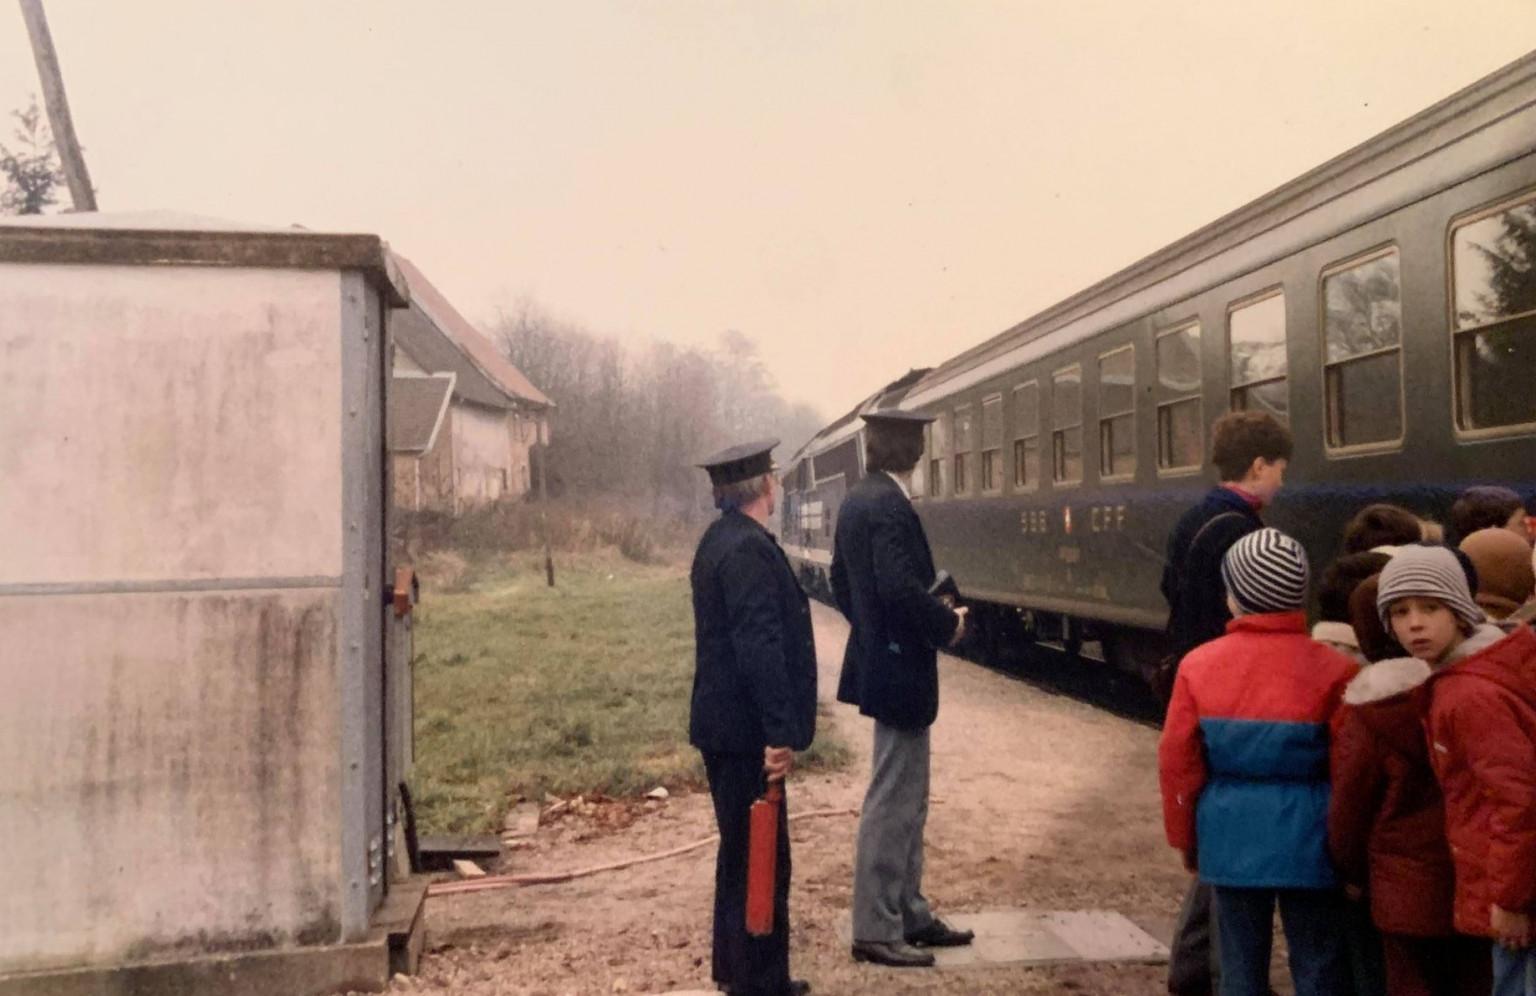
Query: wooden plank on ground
x,y
440,851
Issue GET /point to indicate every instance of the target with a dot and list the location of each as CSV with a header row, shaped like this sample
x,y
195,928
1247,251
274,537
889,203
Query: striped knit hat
x,y
1427,572
1266,571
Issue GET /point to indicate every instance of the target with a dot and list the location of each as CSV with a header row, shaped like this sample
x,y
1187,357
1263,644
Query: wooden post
x,y
80,190
549,560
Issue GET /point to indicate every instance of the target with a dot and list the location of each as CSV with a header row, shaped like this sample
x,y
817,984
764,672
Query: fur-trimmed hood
x,y
1388,697
1338,634
1385,679
1508,660
1483,637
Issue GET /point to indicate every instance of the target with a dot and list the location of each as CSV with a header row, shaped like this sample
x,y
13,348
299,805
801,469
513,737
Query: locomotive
x,y
1382,304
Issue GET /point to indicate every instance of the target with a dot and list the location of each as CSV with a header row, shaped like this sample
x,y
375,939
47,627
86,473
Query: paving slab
x,y
1043,937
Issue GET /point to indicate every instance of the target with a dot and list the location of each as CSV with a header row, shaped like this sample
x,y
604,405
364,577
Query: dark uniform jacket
x,y
1192,584
754,679
881,570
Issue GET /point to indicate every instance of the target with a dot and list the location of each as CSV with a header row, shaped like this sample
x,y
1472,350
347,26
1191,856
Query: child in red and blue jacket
x,y
1243,763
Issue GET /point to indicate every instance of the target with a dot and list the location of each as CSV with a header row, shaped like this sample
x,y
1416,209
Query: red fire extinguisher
x,y
762,859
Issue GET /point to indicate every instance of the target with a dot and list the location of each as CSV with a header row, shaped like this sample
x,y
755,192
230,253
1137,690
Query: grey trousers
x,y
888,899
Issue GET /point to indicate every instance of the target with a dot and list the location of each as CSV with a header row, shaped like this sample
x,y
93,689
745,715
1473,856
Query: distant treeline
x,y
633,422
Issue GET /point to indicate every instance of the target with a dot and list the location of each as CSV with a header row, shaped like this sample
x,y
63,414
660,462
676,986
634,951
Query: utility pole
x,y
80,189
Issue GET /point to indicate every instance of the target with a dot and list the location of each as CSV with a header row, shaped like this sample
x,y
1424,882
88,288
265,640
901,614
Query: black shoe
x,y
939,934
891,953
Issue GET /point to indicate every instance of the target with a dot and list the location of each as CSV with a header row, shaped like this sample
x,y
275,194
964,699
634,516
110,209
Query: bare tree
x,y
637,422
30,165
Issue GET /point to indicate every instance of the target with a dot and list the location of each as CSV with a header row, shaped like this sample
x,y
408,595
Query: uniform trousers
x,y
742,963
888,901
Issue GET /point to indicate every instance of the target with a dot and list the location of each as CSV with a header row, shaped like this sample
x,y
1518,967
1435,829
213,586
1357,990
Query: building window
x,y
1493,261
1026,436
919,484
1180,429
965,445
1256,344
992,443
1117,414
938,452
1067,425
1362,359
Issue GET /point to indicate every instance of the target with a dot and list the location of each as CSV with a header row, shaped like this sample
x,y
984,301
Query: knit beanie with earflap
x,y
1427,572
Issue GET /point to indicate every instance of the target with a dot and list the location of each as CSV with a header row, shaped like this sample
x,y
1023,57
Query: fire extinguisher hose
x,y
491,882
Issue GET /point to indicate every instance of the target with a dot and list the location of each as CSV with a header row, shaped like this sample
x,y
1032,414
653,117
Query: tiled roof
x,y
485,376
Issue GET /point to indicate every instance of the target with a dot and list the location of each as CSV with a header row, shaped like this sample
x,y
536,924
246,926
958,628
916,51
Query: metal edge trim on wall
x,y
158,586
351,698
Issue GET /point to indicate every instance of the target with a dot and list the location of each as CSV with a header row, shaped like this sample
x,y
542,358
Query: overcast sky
x,y
859,186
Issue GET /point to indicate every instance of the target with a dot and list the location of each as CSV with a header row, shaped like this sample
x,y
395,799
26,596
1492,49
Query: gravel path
x,y
1038,801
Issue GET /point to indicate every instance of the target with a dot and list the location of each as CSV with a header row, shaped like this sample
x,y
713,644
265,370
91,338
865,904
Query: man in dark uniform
x,y
754,702
1251,451
882,570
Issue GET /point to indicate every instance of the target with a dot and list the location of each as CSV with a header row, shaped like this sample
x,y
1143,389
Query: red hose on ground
x,y
551,878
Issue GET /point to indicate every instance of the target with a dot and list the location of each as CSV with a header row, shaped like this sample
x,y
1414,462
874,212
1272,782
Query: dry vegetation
x,y
575,527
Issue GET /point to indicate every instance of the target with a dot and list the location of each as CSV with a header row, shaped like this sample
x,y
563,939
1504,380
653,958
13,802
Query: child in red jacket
x,y
1243,762
1386,830
1482,739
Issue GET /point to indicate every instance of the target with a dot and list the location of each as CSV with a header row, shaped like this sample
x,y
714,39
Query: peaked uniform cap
x,y
740,463
1267,571
896,417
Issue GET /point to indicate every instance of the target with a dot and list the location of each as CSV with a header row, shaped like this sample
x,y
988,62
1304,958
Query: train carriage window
x,y
938,452
841,460
965,445
1026,432
1493,260
992,443
1256,341
1117,414
1067,425
1362,343
1180,435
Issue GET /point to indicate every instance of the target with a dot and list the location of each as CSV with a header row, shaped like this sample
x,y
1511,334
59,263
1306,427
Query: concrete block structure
x,y
206,716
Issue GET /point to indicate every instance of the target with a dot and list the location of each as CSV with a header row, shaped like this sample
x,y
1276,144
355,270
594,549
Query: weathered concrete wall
x,y
161,422
170,775
170,782
482,455
405,473
523,432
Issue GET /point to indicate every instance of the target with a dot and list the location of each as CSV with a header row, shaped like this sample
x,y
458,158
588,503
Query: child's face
x,y
1426,627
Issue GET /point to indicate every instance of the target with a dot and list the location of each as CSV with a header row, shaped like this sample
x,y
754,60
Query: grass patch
x,y
523,690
